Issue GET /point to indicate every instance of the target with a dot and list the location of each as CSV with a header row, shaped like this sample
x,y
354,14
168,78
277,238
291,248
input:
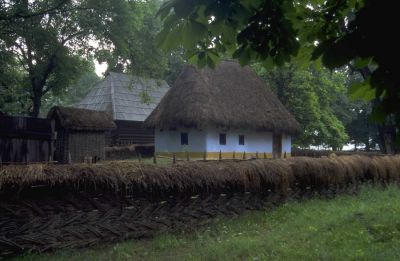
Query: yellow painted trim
x,y
216,155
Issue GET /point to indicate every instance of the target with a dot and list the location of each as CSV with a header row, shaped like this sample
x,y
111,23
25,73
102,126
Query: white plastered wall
x,y
286,143
208,141
253,141
170,141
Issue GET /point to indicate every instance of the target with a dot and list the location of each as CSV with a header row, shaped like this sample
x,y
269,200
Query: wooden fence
x,y
25,140
325,153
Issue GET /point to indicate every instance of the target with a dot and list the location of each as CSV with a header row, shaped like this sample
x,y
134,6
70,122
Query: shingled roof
x,y
231,96
81,119
125,96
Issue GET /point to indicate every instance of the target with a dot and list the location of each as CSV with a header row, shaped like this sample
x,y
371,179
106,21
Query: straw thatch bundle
x,y
229,96
259,176
81,119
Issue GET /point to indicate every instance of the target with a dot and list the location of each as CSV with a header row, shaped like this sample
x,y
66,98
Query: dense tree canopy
x,y
311,95
45,46
347,32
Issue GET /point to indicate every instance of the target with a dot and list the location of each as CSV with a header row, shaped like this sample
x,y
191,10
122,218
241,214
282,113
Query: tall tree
x,y
47,43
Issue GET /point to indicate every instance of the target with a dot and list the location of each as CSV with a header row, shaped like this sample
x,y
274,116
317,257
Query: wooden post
x,y
155,159
220,155
1,162
174,158
234,155
205,156
69,158
53,139
187,156
284,155
140,157
244,155
256,154
265,155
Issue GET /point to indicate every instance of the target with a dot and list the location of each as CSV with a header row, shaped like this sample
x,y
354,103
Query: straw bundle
x,y
259,176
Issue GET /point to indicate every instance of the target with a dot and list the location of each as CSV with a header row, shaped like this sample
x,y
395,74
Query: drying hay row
x,y
191,178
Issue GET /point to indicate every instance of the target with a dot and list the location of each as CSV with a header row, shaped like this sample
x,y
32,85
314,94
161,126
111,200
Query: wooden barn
x,y
130,100
80,134
224,113
25,140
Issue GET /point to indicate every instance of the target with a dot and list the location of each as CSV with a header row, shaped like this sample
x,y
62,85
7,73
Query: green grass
x,y
362,227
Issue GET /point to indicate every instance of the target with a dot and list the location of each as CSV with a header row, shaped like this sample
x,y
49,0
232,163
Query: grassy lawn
x,y
363,227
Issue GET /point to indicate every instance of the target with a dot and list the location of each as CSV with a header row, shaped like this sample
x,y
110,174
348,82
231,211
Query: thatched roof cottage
x,y
225,113
129,99
80,133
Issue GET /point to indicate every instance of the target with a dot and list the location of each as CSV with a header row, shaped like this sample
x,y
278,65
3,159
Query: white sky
x,y
100,68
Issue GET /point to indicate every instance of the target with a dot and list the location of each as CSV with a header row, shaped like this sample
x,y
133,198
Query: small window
x,y
222,139
241,139
184,138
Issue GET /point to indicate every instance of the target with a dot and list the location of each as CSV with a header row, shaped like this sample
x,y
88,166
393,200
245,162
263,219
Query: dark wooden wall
x,y
25,140
83,144
130,132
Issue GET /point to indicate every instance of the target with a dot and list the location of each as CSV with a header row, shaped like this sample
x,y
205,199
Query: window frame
x,y
222,139
184,138
242,138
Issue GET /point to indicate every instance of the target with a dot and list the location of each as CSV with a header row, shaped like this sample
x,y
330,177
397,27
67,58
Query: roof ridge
x,y
112,93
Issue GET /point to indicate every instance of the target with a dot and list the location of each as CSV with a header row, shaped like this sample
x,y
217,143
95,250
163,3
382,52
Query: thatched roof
x,y
82,119
126,97
230,96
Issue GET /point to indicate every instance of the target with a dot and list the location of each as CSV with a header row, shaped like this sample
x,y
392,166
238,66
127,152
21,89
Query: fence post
x,y
220,155
234,155
140,157
244,155
256,154
187,156
155,159
265,155
205,156
69,157
174,158
284,155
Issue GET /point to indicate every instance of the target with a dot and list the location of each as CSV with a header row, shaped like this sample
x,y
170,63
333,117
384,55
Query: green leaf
x,y
184,8
202,59
165,9
360,63
212,59
172,39
268,63
192,33
362,90
161,36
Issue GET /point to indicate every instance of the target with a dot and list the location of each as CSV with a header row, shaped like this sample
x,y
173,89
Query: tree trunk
x,y
37,103
387,135
367,145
